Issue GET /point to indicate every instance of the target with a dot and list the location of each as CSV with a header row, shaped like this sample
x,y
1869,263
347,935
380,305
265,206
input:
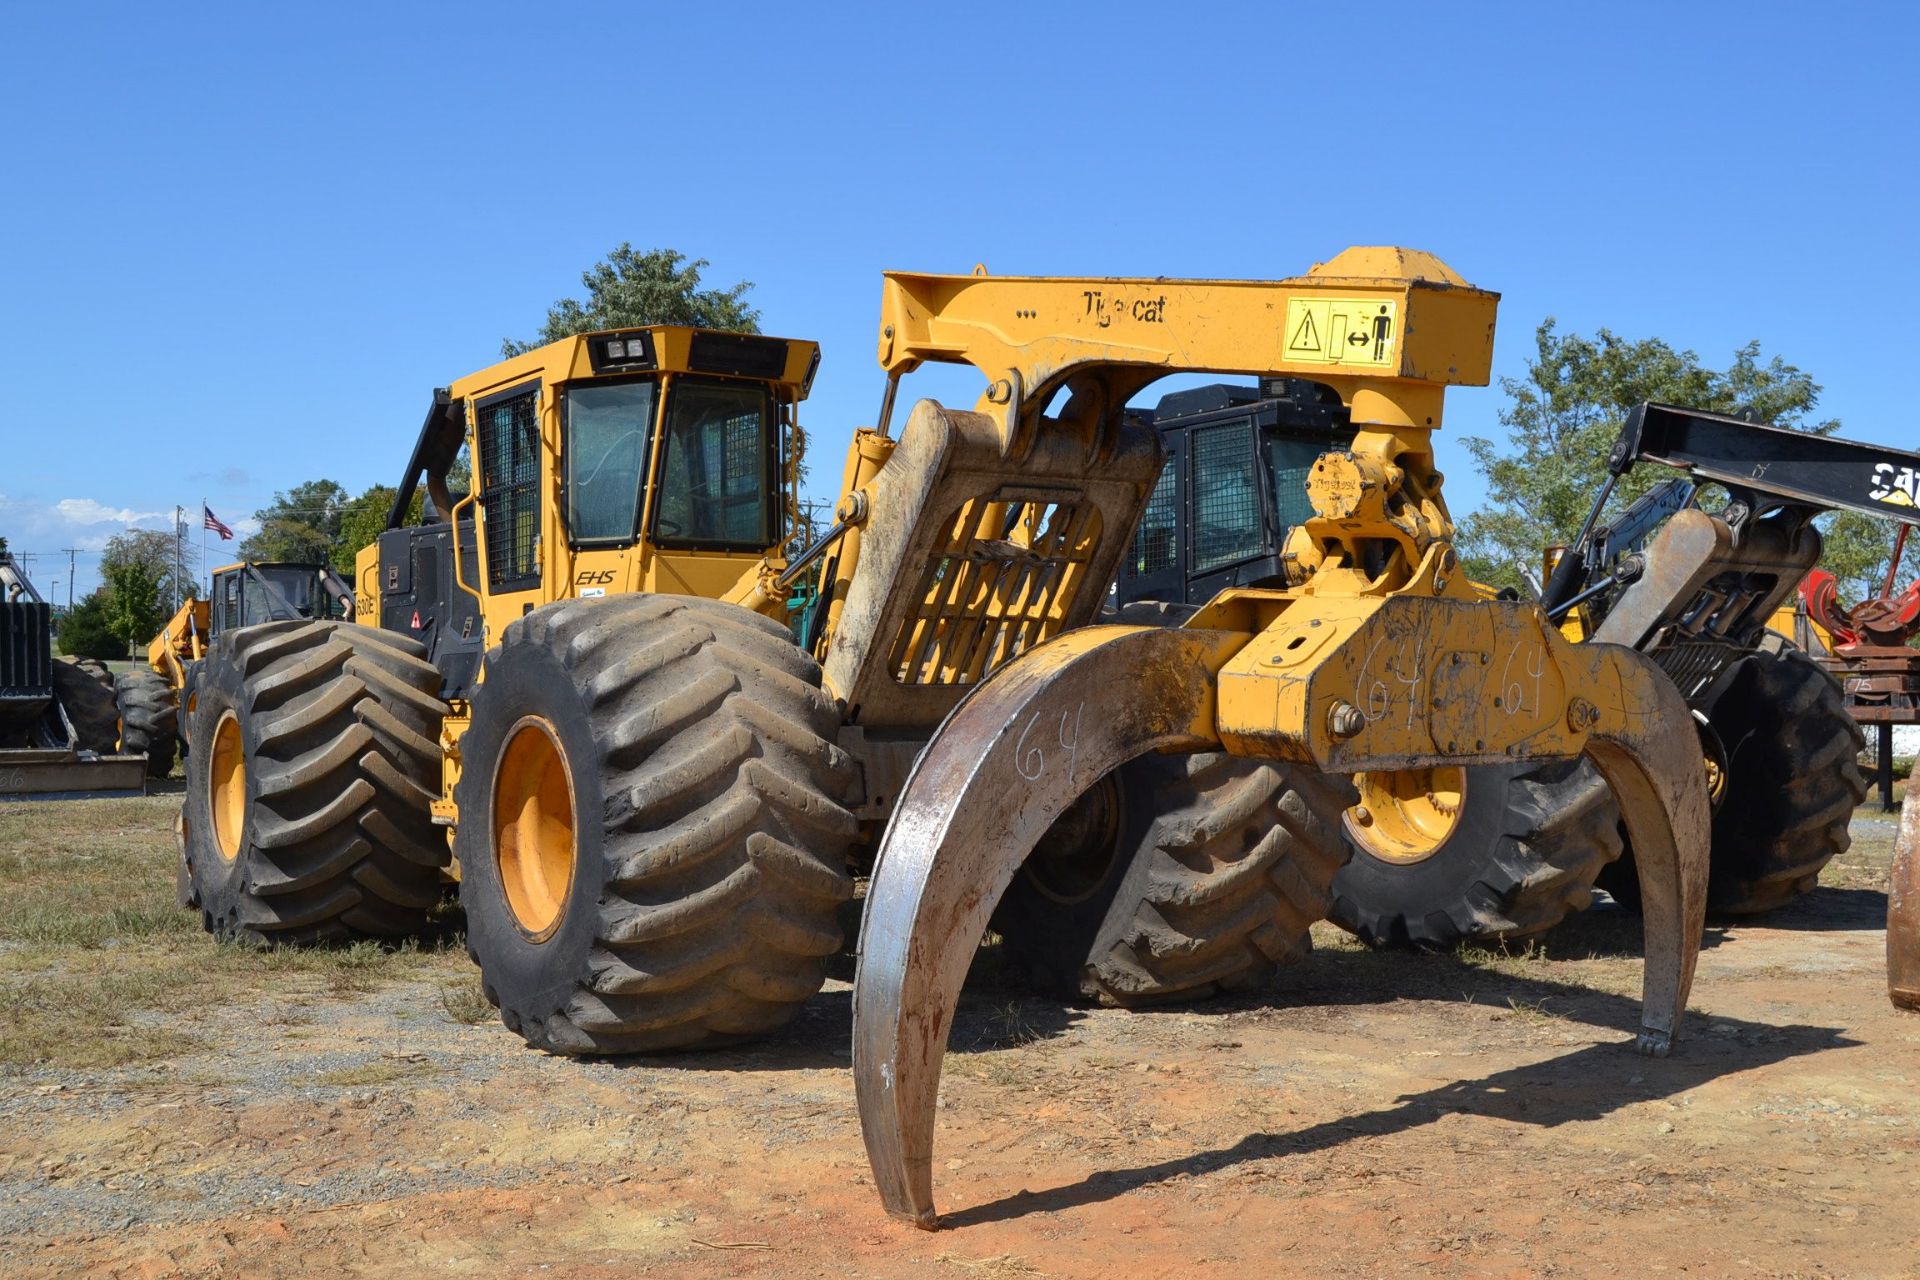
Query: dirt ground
x,y
168,1107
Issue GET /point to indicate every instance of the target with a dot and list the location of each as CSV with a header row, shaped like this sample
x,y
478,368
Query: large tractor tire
x,y
149,719
86,696
1494,852
1177,878
1793,780
653,835
307,817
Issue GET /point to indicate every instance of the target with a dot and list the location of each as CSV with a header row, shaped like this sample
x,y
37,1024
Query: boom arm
x,y
1388,328
1762,466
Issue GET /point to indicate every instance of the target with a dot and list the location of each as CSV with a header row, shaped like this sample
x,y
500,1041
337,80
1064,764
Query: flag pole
x,y
178,513
203,535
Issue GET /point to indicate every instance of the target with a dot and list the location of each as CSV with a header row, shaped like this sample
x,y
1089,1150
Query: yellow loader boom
x,y
181,642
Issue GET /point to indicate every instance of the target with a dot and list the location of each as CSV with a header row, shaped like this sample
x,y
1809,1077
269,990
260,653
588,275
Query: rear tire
x,y
320,752
149,719
1793,782
1529,845
1220,868
689,897
87,698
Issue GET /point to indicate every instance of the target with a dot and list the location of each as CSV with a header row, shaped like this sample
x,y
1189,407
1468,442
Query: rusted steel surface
x,y
1017,753
1009,761
1903,909
1645,746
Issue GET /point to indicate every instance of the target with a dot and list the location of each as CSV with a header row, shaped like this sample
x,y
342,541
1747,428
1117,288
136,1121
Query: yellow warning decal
x,y
1358,332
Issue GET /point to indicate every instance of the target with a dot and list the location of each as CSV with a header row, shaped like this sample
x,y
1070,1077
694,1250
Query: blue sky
x,y
242,245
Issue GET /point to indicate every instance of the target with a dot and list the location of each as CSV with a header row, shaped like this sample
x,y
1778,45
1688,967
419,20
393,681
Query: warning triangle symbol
x,y
1306,337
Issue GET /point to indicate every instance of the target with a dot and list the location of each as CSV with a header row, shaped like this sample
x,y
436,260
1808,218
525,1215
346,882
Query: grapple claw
x,y
1008,761
1016,754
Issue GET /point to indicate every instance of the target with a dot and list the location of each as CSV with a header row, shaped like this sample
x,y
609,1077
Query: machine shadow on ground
x,y
1584,1084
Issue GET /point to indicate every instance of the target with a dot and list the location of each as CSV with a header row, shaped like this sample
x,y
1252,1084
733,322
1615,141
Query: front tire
x,y
307,817
1523,854
1218,869
652,841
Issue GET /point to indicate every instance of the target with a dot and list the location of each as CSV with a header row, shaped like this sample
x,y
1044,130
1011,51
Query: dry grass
x,y
379,1071
93,945
466,1001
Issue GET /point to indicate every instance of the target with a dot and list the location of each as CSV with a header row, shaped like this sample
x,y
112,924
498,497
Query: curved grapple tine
x,y
1006,763
1649,753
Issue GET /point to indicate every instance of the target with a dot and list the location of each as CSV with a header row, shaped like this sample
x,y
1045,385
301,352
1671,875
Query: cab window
x,y
1290,461
608,427
718,460
1226,495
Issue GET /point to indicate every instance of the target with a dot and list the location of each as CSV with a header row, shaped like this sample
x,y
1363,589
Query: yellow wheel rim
x,y
228,792
534,845
1406,815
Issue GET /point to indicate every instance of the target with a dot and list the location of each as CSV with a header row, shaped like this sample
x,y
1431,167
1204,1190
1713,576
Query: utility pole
x,y
72,553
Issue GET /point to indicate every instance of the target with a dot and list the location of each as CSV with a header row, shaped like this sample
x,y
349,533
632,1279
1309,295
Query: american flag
x,y
212,522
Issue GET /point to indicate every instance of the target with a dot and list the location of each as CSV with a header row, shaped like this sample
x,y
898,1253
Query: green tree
x,y
86,630
154,554
362,520
300,527
628,288
134,611
1563,417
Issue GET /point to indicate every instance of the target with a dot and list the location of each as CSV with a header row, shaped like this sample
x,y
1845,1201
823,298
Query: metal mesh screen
x,y
1156,547
1226,495
509,434
1002,580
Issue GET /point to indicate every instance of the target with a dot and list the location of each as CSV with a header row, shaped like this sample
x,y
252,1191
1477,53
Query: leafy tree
x,y
362,520
629,288
1563,417
86,630
300,527
154,554
134,613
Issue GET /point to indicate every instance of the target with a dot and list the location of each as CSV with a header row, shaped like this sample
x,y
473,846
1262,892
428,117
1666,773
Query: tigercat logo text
x,y
1899,486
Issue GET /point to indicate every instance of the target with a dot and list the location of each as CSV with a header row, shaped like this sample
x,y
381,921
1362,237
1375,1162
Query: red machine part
x,y
1882,621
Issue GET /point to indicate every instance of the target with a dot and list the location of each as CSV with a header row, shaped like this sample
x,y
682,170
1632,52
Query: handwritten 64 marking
x,y
1030,753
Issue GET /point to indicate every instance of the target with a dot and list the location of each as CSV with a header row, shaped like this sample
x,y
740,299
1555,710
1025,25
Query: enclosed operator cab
x,y
659,459
246,593
1232,489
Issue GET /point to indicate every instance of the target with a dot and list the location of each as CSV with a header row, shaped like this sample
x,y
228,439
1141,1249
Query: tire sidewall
x,y
220,885
529,980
